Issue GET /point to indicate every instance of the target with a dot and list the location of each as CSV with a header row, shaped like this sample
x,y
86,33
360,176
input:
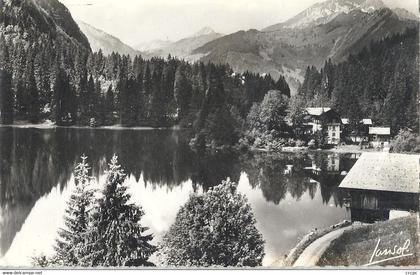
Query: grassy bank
x,y
389,243
306,241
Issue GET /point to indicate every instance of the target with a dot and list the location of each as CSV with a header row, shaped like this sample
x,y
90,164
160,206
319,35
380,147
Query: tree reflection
x,y
295,174
277,174
33,161
32,165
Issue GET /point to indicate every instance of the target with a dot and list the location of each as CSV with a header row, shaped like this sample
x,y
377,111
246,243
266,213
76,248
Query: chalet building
x,y
379,136
363,127
333,163
316,116
380,183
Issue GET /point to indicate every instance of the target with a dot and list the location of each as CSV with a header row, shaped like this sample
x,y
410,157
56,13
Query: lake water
x,y
290,193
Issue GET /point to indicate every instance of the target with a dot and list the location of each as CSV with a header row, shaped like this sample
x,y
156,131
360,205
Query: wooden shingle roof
x,y
384,172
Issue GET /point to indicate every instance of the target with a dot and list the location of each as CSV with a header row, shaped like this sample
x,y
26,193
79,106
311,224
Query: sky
x,y
137,21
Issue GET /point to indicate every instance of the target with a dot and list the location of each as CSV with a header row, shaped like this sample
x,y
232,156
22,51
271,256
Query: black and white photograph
x,y
161,135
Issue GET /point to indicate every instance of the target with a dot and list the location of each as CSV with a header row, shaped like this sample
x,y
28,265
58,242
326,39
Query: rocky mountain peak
x,y
323,12
204,31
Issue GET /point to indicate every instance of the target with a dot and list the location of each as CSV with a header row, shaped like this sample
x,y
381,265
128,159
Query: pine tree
x,y
71,245
33,98
117,237
128,102
147,87
182,92
296,114
90,100
4,54
97,105
109,106
6,98
63,103
282,86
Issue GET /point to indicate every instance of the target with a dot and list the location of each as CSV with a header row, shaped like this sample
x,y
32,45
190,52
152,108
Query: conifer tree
x,y
6,98
117,238
33,98
182,92
109,106
71,245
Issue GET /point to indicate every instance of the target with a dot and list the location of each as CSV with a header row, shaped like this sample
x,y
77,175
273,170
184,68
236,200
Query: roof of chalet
x,y
365,121
317,111
379,131
384,172
345,121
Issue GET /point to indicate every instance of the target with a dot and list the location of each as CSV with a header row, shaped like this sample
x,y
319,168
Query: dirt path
x,y
311,255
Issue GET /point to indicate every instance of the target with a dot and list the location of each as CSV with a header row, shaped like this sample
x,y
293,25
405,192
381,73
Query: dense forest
x,y
74,88
381,83
71,86
49,73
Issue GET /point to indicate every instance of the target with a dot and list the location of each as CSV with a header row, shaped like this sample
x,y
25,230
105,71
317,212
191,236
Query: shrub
x,y
406,142
214,229
300,143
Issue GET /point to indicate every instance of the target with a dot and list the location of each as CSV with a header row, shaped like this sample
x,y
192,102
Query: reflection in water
x,y
36,180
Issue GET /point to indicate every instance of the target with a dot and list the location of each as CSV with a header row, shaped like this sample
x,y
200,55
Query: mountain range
x,y
329,30
183,48
99,39
333,29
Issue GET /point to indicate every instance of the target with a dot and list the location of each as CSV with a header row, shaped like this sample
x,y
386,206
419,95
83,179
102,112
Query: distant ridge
x,y
333,29
183,48
99,39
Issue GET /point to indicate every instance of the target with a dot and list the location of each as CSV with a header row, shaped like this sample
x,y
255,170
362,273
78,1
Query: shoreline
x,y
351,236
307,240
343,149
364,238
50,126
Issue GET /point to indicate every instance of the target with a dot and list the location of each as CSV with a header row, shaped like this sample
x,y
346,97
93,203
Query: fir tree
x,y
109,106
33,98
117,238
182,92
71,245
6,98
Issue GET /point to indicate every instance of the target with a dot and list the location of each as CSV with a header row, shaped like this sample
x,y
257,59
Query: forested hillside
x,y
329,29
50,75
381,82
38,42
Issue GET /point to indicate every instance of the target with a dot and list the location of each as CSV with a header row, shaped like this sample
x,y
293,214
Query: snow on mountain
x,y
324,12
